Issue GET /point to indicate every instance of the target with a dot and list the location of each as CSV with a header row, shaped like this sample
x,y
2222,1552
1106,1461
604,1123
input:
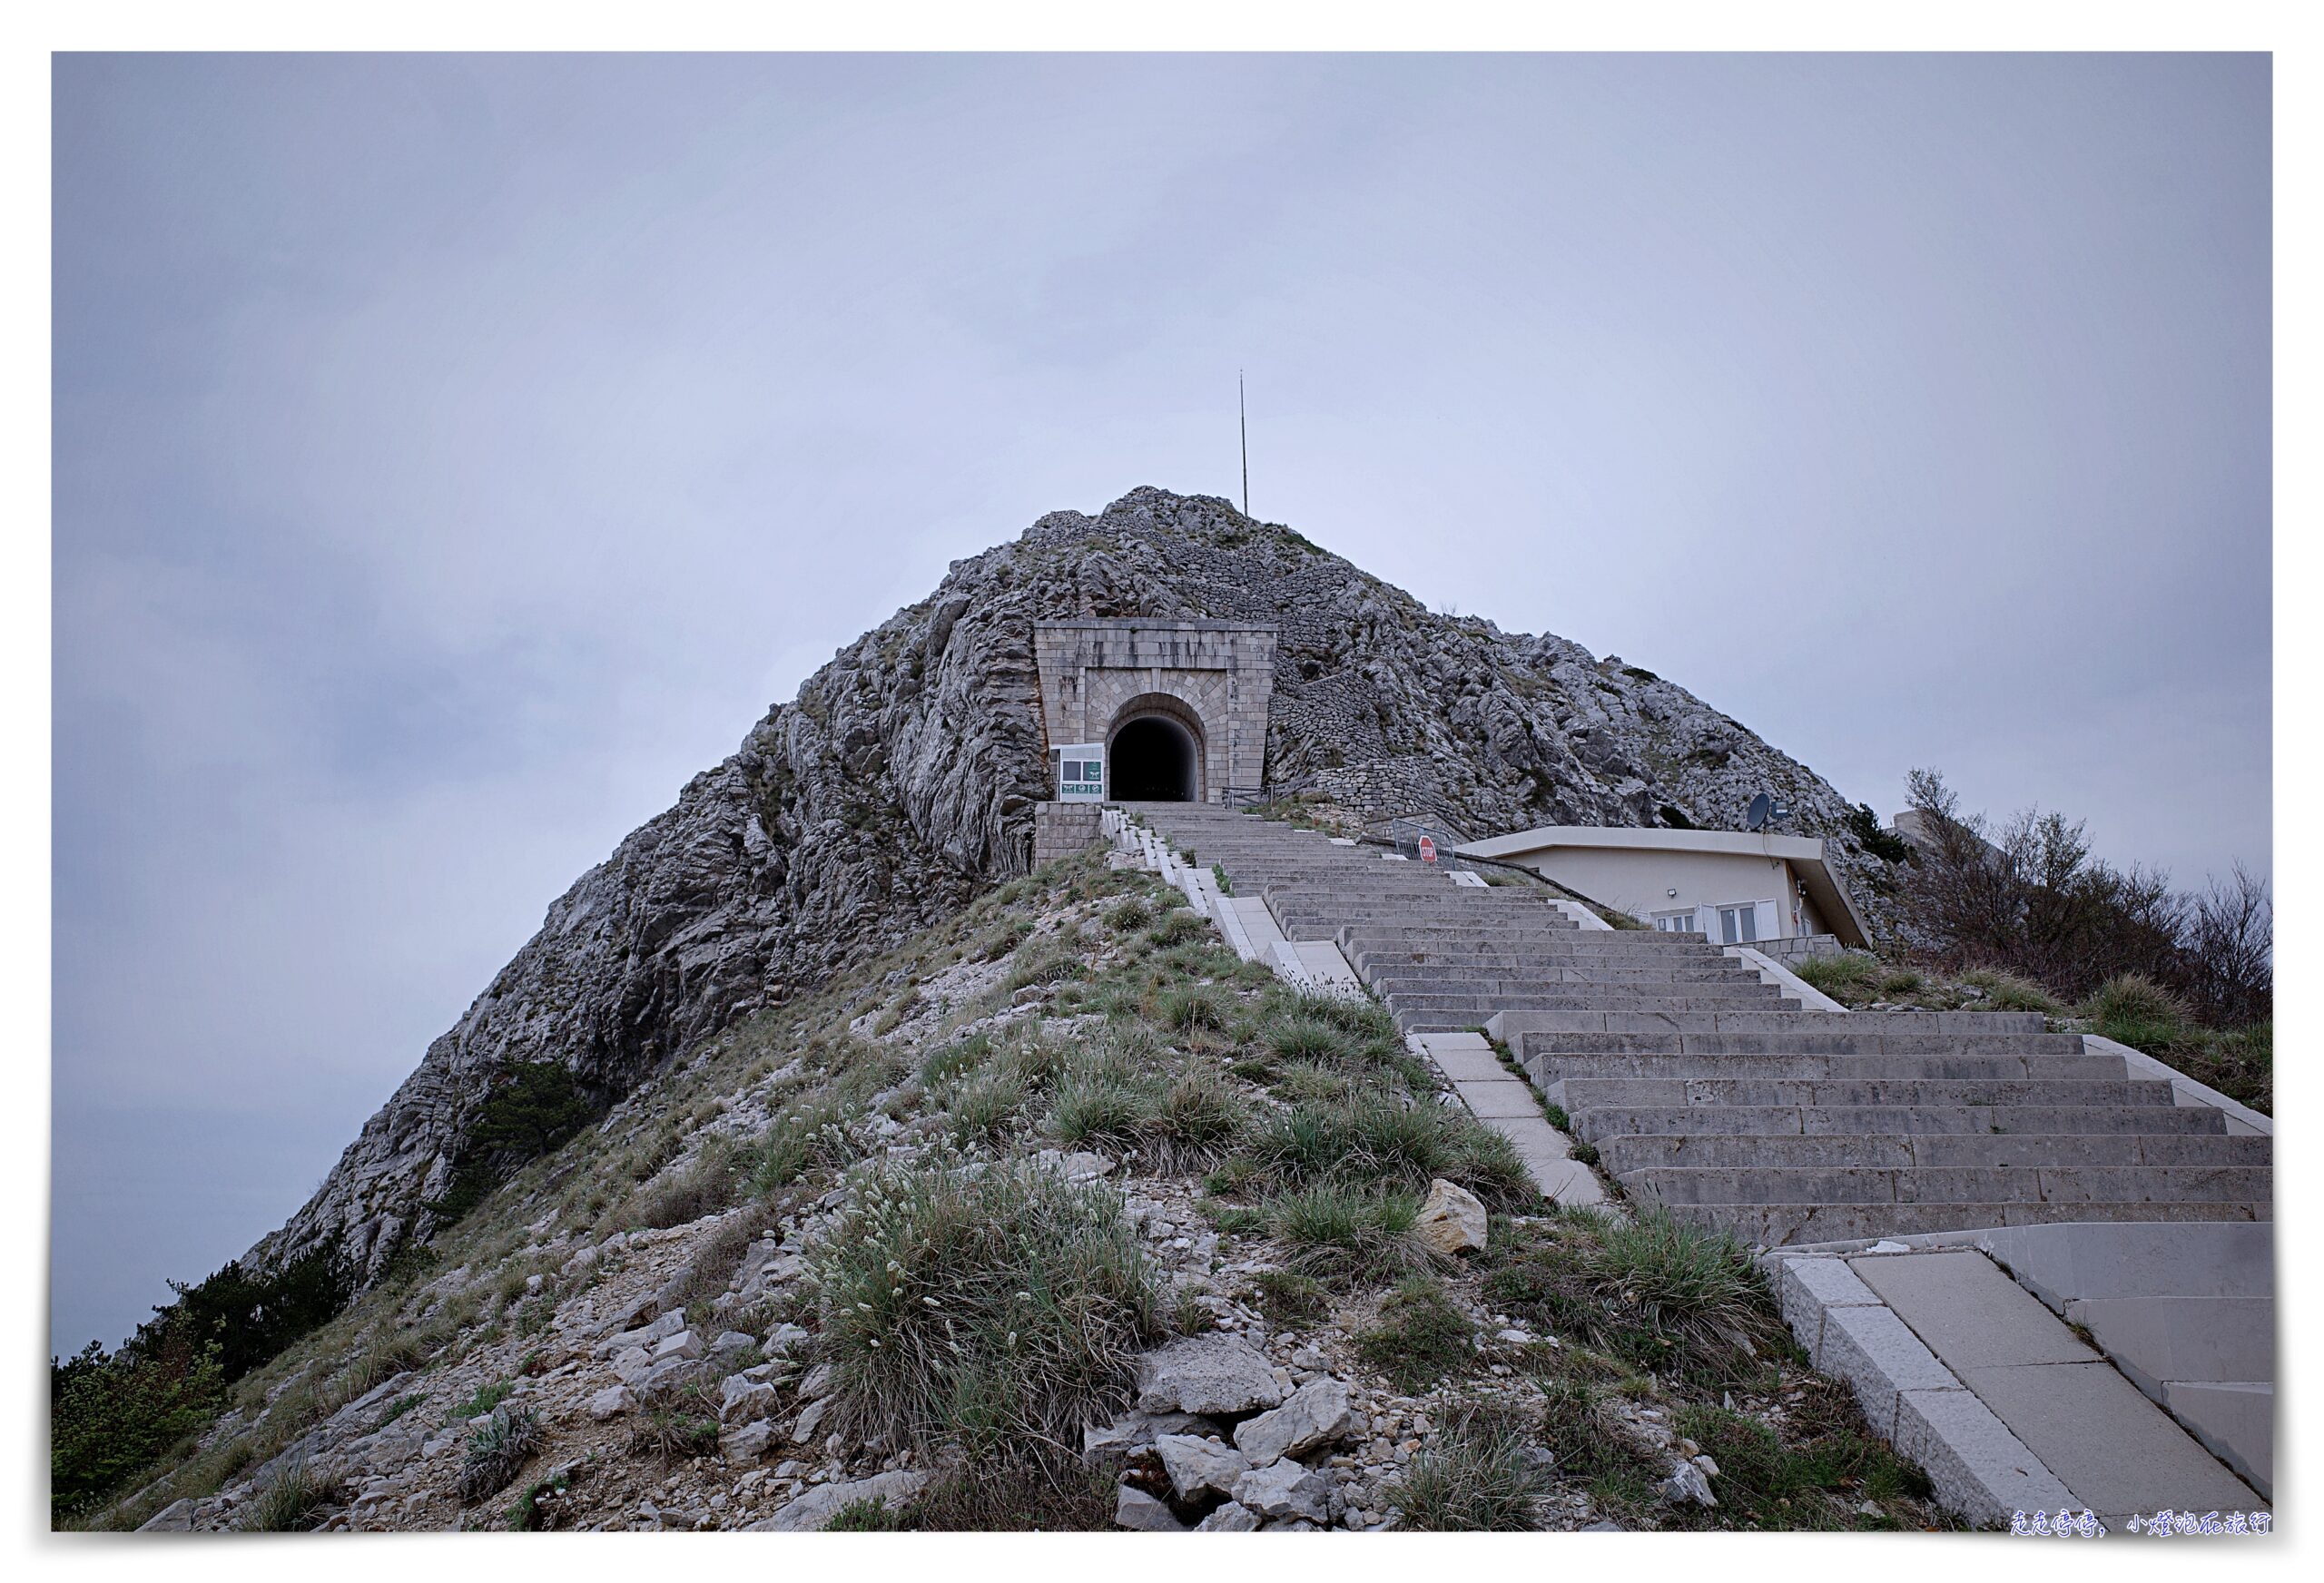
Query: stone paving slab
x,y
2155,1340
2062,1263
2116,1451
1978,1467
2236,1419
1969,1312
1477,1066
1498,1100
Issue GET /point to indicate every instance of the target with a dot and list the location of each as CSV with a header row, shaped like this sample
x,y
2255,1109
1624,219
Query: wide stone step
x,y
1589,1093
1560,981
1951,1184
1611,973
1521,964
1449,1016
1550,1070
1516,1025
1454,917
1823,1151
1458,939
1477,1011
1711,1045
1789,1224
1453,925
1600,1124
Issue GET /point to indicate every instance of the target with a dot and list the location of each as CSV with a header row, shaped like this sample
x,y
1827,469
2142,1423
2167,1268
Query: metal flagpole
x,y
1243,422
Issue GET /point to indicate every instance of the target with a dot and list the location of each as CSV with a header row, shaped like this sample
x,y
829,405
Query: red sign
x,y
1427,849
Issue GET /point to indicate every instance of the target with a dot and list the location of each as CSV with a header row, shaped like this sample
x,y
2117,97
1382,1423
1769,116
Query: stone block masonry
x,y
1063,828
1215,677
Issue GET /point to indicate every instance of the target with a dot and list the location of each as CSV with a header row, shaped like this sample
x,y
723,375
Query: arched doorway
x,y
1155,753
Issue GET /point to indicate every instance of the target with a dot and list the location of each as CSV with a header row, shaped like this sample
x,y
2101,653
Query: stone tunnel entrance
x,y
1154,756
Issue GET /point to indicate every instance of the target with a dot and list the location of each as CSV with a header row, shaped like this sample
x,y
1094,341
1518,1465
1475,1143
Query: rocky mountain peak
x,y
900,782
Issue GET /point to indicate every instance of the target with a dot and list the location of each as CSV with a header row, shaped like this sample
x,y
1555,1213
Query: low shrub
x,y
500,1445
110,1417
983,1106
1344,1234
1814,1483
1423,1338
1848,971
1128,914
2008,992
293,1501
2136,1011
1480,1477
1291,1299
983,1305
1184,1007
1654,1292
714,1181
1178,928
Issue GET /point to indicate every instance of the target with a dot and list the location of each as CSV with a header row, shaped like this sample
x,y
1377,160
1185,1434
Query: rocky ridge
x,y
900,782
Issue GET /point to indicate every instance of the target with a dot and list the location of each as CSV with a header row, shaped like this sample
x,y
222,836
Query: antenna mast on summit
x,y
1243,422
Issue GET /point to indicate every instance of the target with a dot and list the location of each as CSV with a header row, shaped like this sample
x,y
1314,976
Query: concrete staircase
x,y
1710,1090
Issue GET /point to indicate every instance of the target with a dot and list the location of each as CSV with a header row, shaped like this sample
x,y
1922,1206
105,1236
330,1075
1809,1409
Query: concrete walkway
x,y
1506,1103
1969,1374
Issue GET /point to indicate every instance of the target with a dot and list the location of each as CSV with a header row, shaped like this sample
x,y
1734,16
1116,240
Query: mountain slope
x,y
901,780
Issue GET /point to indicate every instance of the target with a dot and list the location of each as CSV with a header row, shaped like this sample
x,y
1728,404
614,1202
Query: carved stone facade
x,y
1213,679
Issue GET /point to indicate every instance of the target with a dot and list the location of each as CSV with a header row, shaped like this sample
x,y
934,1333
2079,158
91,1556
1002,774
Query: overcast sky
x,y
452,455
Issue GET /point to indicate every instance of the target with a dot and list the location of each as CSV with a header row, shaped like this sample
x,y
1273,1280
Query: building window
x,y
1675,922
1739,925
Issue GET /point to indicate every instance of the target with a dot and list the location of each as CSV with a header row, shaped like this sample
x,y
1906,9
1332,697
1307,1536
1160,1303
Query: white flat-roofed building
x,y
1734,887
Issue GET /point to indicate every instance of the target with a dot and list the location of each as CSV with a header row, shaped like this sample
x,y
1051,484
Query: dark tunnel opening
x,y
1152,759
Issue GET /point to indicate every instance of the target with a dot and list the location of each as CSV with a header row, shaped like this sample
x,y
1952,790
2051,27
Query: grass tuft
x,y
500,1446
1481,1477
2136,1011
1423,1338
982,1303
1345,1234
294,1501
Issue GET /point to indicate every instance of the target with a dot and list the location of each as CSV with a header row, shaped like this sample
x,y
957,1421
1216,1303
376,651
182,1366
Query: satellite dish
x,y
1757,818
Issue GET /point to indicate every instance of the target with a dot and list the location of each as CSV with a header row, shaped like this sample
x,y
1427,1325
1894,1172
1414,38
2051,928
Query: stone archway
x,y
1212,678
1155,751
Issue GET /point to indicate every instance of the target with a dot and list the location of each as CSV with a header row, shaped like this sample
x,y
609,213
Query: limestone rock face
x,y
900,782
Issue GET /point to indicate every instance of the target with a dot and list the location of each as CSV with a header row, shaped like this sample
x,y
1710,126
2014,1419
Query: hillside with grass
x,y
1054,1215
